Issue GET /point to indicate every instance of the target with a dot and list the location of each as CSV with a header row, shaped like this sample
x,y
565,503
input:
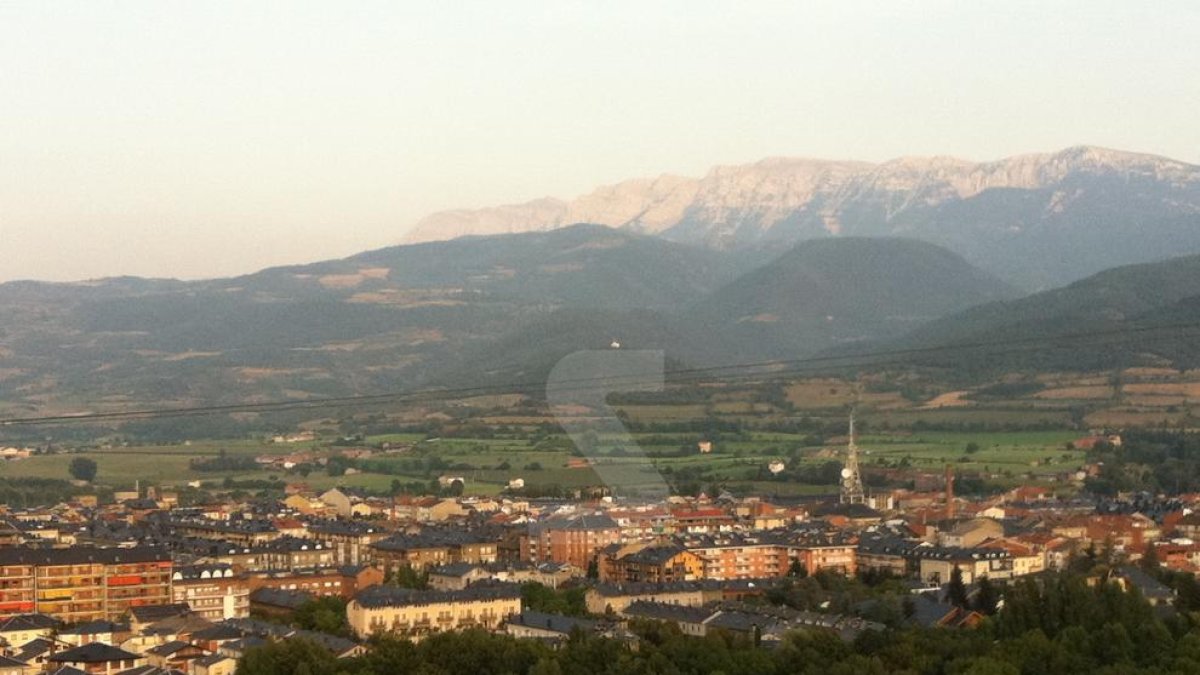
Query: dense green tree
x,y
288,658
958,590
82,468
325,614
987,597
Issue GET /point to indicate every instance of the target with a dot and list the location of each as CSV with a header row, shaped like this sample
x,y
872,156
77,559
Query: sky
x,y
207,139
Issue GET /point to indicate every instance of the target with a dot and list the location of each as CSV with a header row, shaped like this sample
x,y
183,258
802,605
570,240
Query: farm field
x,y
488,464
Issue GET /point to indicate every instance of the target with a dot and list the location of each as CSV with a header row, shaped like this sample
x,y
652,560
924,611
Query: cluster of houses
x,y
143,584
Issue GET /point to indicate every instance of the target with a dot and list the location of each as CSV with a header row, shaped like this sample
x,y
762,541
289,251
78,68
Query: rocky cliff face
x,y
1022,202
738,204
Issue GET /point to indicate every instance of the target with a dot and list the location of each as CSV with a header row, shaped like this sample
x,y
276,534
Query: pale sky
x,y
206,138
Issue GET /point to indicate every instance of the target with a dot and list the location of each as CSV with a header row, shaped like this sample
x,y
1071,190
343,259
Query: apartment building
x,y
654,564
344,582
348,540
83,584
416,614
573,540
212,591
432,548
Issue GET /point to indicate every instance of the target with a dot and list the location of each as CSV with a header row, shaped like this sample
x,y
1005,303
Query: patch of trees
x,y
326,614
27,492
223,462
1148,460
542,598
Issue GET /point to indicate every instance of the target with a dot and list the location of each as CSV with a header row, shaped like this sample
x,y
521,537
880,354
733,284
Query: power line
x,y
771,369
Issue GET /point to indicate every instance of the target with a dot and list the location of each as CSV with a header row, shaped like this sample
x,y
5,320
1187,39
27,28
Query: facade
x,y
605,598
654,564
83,584
937,564
432,549
575,540
343,582
349,541
212,591
415,614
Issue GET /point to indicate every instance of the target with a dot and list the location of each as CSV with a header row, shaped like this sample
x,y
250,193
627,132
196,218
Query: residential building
x,y
415,614
83,584
211,591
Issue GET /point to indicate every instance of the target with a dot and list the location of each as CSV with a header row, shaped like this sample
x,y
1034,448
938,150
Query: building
x,y
214,664
344,582
348,540
415,614
83,584
24,628
542,626
96,658
605,598
432,548
212,591
574,540
937,564
654,564
278,603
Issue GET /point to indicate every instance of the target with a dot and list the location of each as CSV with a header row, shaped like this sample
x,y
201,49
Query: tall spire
x,y
852,486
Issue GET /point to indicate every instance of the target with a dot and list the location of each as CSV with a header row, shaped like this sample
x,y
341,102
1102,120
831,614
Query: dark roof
x,y
583,522
277,597
459,569
151,670
662,611
27,622
389,596
168,648
335,644
653,555
556,623
429,538
34,648
1146,584
346,527
212,659
928,610
79,555
10,662
217,632
152,613
93,652
95,628
245,643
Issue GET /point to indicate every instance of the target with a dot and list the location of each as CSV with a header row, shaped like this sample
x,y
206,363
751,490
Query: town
x,y
141,584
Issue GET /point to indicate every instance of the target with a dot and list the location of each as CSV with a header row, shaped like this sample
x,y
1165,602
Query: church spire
x,y
852,486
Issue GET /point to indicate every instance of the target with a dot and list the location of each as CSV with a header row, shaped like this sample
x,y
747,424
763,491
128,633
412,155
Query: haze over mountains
x,y
1035,220
779,260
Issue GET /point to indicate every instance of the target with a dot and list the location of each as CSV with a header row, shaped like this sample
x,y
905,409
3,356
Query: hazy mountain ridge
x,y
377,321
472,310
938,199
1113,317
815,296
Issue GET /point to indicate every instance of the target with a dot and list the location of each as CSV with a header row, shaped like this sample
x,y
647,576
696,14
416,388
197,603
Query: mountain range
x,y
1037,220
786,259
476,310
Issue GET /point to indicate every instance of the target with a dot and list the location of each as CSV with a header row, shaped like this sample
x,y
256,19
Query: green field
x,y
488,464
